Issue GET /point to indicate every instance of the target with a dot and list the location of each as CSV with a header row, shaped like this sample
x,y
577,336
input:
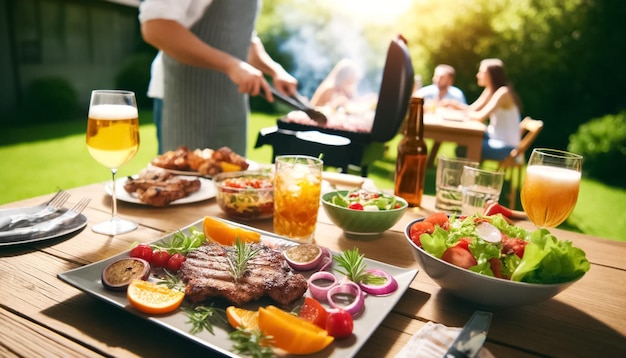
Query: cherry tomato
x,y
495,208
313,311
339,323
419,228
513,245
355,206
175,262
439,219
495,267
459,256
142,251
160,258
464,243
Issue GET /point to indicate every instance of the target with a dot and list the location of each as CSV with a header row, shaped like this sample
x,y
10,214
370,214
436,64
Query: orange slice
x,y
229,167
290,333
239,317
225,233
151,298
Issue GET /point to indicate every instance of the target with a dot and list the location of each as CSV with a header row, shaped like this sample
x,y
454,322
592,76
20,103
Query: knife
x,y
471,338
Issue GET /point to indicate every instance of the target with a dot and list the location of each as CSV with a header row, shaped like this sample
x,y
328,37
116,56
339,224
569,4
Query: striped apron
x,y
203,108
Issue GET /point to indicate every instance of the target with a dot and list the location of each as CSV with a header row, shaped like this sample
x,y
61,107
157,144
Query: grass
x,y
39,159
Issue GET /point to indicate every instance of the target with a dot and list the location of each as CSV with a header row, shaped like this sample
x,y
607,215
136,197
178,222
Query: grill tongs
x,y
297,103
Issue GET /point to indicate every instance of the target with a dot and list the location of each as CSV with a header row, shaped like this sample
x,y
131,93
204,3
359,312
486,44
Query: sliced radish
x,y
488,232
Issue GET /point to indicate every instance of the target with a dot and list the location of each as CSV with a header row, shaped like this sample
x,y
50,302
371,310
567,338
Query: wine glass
x,y
550,187
113,140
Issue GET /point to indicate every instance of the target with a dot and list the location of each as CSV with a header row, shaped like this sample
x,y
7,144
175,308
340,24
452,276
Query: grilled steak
x,y
207,273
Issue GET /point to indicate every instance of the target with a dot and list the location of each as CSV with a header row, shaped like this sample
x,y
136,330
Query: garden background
x,y
564,58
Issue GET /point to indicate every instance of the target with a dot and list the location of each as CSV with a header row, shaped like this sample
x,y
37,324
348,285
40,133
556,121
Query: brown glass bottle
x,y
412,156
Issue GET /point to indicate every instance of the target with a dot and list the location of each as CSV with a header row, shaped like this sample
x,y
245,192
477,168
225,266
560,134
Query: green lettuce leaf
x,y
549,260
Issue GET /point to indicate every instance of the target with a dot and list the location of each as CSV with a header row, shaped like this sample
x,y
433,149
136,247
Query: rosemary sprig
x,y
203,318
240,256
249,342
171,281
354,268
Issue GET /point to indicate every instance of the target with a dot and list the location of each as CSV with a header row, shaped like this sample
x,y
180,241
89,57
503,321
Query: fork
x,y
51,224
52,206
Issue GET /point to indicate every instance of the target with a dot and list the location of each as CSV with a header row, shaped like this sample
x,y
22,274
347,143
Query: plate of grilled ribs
x,y
208,286
202,162
160,188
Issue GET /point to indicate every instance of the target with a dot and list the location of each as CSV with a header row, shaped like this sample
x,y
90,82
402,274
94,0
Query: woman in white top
x,y
500,104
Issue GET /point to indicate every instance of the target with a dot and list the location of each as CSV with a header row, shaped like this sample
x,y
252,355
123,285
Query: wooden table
x,y
43,316
466,133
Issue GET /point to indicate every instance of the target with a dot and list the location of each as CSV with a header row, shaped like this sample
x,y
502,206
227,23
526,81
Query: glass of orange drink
x,y
550,188
297,190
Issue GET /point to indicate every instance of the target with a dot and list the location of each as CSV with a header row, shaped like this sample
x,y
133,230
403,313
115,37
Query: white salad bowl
x,y
486,291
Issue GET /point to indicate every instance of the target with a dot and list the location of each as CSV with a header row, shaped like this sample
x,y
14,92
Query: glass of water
x,y
478,188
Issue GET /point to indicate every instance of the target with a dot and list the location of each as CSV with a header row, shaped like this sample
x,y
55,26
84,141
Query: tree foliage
x,y
559,54
563,56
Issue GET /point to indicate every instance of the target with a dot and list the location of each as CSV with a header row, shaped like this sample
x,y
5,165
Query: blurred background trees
x,y
564,57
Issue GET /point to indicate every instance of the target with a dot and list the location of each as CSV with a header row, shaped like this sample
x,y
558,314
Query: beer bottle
x,y
412,155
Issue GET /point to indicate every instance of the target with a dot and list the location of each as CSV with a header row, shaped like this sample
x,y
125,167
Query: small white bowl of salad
x,y
493,263
363,214
246,195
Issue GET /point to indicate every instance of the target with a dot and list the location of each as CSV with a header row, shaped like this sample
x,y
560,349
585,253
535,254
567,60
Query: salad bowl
x,y
483,290
245,195
365,222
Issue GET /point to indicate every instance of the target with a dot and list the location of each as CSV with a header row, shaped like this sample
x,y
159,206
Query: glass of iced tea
x,y
550,188
113,140
297,190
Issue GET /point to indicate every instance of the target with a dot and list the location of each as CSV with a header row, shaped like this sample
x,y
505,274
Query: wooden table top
x,y
43,316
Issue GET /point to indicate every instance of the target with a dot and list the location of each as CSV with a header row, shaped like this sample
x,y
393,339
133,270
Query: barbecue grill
x,y
341,148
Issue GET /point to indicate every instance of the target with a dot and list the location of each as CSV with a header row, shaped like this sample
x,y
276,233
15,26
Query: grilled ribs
x,y
207,273
159,187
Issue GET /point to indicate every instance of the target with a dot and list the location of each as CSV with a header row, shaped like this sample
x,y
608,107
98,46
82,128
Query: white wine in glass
x,y
113,140
550,188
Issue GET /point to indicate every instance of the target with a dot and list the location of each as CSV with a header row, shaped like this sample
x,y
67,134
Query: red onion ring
x,y
356,307
390,285
327,259
321,292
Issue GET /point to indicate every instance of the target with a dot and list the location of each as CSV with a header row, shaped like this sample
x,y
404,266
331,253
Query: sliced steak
x,y
207,273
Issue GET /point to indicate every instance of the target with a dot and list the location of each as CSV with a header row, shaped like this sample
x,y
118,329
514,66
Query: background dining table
x,y
42,316
448,126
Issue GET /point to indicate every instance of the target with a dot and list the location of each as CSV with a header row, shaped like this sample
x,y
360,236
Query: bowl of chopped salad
x,y
362,213
245,195
487,260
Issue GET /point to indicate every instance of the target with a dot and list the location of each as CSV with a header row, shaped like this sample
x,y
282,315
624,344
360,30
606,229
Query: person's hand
x,y
285,83
250,80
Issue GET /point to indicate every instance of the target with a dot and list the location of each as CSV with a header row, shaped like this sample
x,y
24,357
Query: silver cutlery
x,y
51,207
50,224
471,338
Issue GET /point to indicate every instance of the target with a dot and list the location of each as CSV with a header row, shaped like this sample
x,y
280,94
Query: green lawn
x,y
38,159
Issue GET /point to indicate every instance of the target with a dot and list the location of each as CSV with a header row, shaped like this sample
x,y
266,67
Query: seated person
x,y
499,104
337,97
339,87
442,91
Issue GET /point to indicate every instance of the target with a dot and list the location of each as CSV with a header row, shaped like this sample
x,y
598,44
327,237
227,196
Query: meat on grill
x,y
207,273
